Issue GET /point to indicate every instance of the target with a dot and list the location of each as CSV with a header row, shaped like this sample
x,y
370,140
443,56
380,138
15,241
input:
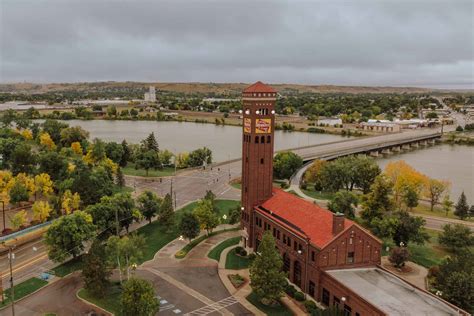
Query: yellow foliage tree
x,y
71,167
313,172
19,219
70,202
435,189
47,141
43,184
27,134
41,211
404,177
77,148
5,177
182,160
27,181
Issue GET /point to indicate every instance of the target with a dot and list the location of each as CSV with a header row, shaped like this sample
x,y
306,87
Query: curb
x,y
92,304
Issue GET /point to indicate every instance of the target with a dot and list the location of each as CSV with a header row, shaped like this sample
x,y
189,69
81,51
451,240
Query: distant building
x,y
150,96
380,126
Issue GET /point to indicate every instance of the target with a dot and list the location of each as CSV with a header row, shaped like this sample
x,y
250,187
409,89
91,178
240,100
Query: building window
x,y
325,298
261,161
347,310
336,302
312,255
284,238
288,242
262,139
286,263
312,287
350,257
269,139
295,245
300,247
256,139
274,232
278,234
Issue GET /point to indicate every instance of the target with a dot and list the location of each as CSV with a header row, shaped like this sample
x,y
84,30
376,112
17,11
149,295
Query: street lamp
x,y
3,210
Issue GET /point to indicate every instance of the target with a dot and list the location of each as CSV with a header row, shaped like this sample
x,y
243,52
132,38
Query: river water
x,y
224,141
454,163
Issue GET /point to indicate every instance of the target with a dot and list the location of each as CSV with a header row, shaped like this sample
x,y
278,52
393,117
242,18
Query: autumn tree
x,y
434,190
70,135
41,211
46,140
313,174
76,148
70,202
19,219
67,235
43,184
266,276
377,202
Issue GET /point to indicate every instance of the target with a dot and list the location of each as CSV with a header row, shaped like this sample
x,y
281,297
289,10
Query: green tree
x,y
199,157
125,252
456,280
119,178
149,204
204,212
18,193
148,160
114,151
462,209
235,214
365,171
210,196
456,237
95,271
139,298
286,164
266,276
166,214
54,164
73,134
377,202
447,204
344,202
8,117
126,154
410,198
409,229
189,226
112,111
66,236
23,159
91,183
53,128
150,143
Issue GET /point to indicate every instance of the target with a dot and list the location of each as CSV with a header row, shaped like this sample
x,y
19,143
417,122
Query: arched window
x,y
256,139
269,139
262,139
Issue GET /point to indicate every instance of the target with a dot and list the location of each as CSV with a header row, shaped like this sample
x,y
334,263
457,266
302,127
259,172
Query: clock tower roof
x,y
259,87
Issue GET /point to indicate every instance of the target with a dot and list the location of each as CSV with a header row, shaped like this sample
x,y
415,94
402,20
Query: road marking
x,y
23,265
214,307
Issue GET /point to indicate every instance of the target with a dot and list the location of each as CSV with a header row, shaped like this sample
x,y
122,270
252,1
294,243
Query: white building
x,y
150,96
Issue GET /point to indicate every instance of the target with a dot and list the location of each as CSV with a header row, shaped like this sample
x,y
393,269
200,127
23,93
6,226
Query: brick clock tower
x,y
258,108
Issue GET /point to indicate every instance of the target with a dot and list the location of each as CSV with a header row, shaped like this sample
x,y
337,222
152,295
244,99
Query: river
x,y
224,141
454,163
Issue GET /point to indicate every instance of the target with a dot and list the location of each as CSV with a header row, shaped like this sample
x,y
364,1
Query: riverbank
x,y
459,138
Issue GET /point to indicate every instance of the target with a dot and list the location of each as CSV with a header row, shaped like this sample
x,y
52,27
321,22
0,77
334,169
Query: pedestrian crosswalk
x,y
226,302
165,306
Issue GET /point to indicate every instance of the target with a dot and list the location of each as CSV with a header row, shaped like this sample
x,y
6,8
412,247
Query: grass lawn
x,y
157,236
236,185
280,310
318,195
427,255
235,262
425,210
215,252
131,171
23,289
68,267
111,300
186,249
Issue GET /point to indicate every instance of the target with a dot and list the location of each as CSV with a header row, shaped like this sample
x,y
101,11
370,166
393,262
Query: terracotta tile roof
x,y
314,221
259,87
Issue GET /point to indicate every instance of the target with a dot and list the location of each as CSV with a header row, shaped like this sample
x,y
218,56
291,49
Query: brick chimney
x,y
337,223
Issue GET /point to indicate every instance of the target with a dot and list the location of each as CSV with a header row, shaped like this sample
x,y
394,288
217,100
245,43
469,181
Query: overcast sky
x,y
399,43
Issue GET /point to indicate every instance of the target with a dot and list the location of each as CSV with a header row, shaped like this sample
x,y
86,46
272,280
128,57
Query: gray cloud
x,y
419,43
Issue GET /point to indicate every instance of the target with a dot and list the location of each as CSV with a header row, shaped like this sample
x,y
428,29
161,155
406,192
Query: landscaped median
x,y
186,249
23,289
215,252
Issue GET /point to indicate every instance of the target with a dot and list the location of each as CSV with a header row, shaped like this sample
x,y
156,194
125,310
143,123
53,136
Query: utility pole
x,y
11,256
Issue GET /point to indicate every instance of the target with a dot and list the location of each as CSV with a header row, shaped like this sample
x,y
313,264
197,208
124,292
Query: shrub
x,y
290,290
459,128
239,250
251,256
299,296
433,272
398,256
310,306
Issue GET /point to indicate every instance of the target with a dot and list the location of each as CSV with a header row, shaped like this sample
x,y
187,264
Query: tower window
x,y
269,139
262,139
256,139
261,161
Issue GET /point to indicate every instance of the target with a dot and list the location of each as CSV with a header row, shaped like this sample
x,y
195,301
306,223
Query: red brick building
x,y
326,255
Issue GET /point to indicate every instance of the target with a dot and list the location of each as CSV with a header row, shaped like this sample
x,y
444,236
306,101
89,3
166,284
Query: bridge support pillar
x,y
406,146
415,145
424,143
374,153
432,141
396,149
386,151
